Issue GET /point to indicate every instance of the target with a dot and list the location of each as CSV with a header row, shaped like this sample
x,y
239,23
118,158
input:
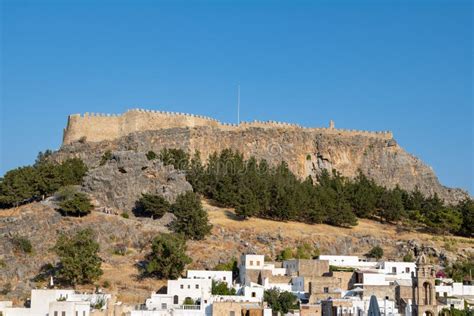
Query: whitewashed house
x,y
348,261
222,276
53,302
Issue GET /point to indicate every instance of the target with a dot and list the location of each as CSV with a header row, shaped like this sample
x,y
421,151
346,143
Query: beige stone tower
x,y
424,293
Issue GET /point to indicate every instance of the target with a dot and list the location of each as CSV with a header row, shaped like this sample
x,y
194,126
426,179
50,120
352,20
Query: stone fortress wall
x,y
95,127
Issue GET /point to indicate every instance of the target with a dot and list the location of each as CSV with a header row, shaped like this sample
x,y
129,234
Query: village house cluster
x,y
327,286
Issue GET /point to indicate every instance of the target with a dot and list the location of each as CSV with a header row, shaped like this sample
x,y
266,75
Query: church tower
x,y
424,293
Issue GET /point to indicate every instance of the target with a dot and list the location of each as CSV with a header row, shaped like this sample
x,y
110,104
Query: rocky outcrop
x,y
42,224
120,181
307,152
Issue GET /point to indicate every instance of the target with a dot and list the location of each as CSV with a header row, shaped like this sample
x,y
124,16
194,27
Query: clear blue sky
x,y
404,66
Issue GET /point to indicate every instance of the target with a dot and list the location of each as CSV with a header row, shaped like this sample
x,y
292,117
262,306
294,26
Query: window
x,y
63,313
197,286
394,269
77,313
181,286
83,313
163,306
251,262
326,290
189,286
224,278
231,313
254,294
55,313
175,299
258,263
407,270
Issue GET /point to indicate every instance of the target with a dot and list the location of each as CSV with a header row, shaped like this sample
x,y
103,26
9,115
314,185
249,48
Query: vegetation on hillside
x,y
303,251
79,262
256,189
73,203
150,205
167,258
461,270
32,183
191,219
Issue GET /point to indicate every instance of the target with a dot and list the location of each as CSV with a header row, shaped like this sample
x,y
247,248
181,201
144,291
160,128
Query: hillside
x,y
306,150
230,237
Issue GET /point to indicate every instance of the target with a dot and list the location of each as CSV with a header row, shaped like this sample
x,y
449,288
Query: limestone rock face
x,y
307,152
120,182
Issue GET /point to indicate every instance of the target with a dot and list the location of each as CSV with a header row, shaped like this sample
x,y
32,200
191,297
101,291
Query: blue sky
x,y
404,66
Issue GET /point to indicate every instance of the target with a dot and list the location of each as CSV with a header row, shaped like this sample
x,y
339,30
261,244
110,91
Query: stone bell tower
x,y
424,293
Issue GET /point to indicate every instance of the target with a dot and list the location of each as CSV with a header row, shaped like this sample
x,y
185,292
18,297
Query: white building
x,y
456,289
222,276
357,306
57,303
348,261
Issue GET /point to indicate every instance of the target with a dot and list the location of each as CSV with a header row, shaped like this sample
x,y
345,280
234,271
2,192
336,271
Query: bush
x,y
191,219
220,288
376,252
79,261
408,258
280,301
231,265
105,157
125,215
167,258
106,284
188,301
150,205
151,155
22,244
77,204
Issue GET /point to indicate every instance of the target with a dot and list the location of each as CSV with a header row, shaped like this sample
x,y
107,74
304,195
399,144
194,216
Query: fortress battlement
x,y
95,127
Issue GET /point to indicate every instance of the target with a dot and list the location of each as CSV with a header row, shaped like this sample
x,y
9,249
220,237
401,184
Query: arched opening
x,y
427,293
175,299
429,313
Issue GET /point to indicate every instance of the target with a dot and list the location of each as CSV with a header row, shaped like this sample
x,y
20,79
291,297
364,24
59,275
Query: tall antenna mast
x,y
238,104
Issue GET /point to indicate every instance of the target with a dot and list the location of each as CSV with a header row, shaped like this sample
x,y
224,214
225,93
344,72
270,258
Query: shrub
x,y
120,250
220,288
22,244
167,258
376,252
125,215
408,258
76,204
280,301
106,284
150,205
188,301
105,157
7,288
151,155
79,260
231,265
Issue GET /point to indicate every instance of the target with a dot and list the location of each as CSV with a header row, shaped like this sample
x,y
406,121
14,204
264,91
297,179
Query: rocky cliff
x,y
307,152
120,181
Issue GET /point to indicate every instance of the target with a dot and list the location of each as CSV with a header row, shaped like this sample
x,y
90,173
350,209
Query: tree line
x,y
256,189
42,179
